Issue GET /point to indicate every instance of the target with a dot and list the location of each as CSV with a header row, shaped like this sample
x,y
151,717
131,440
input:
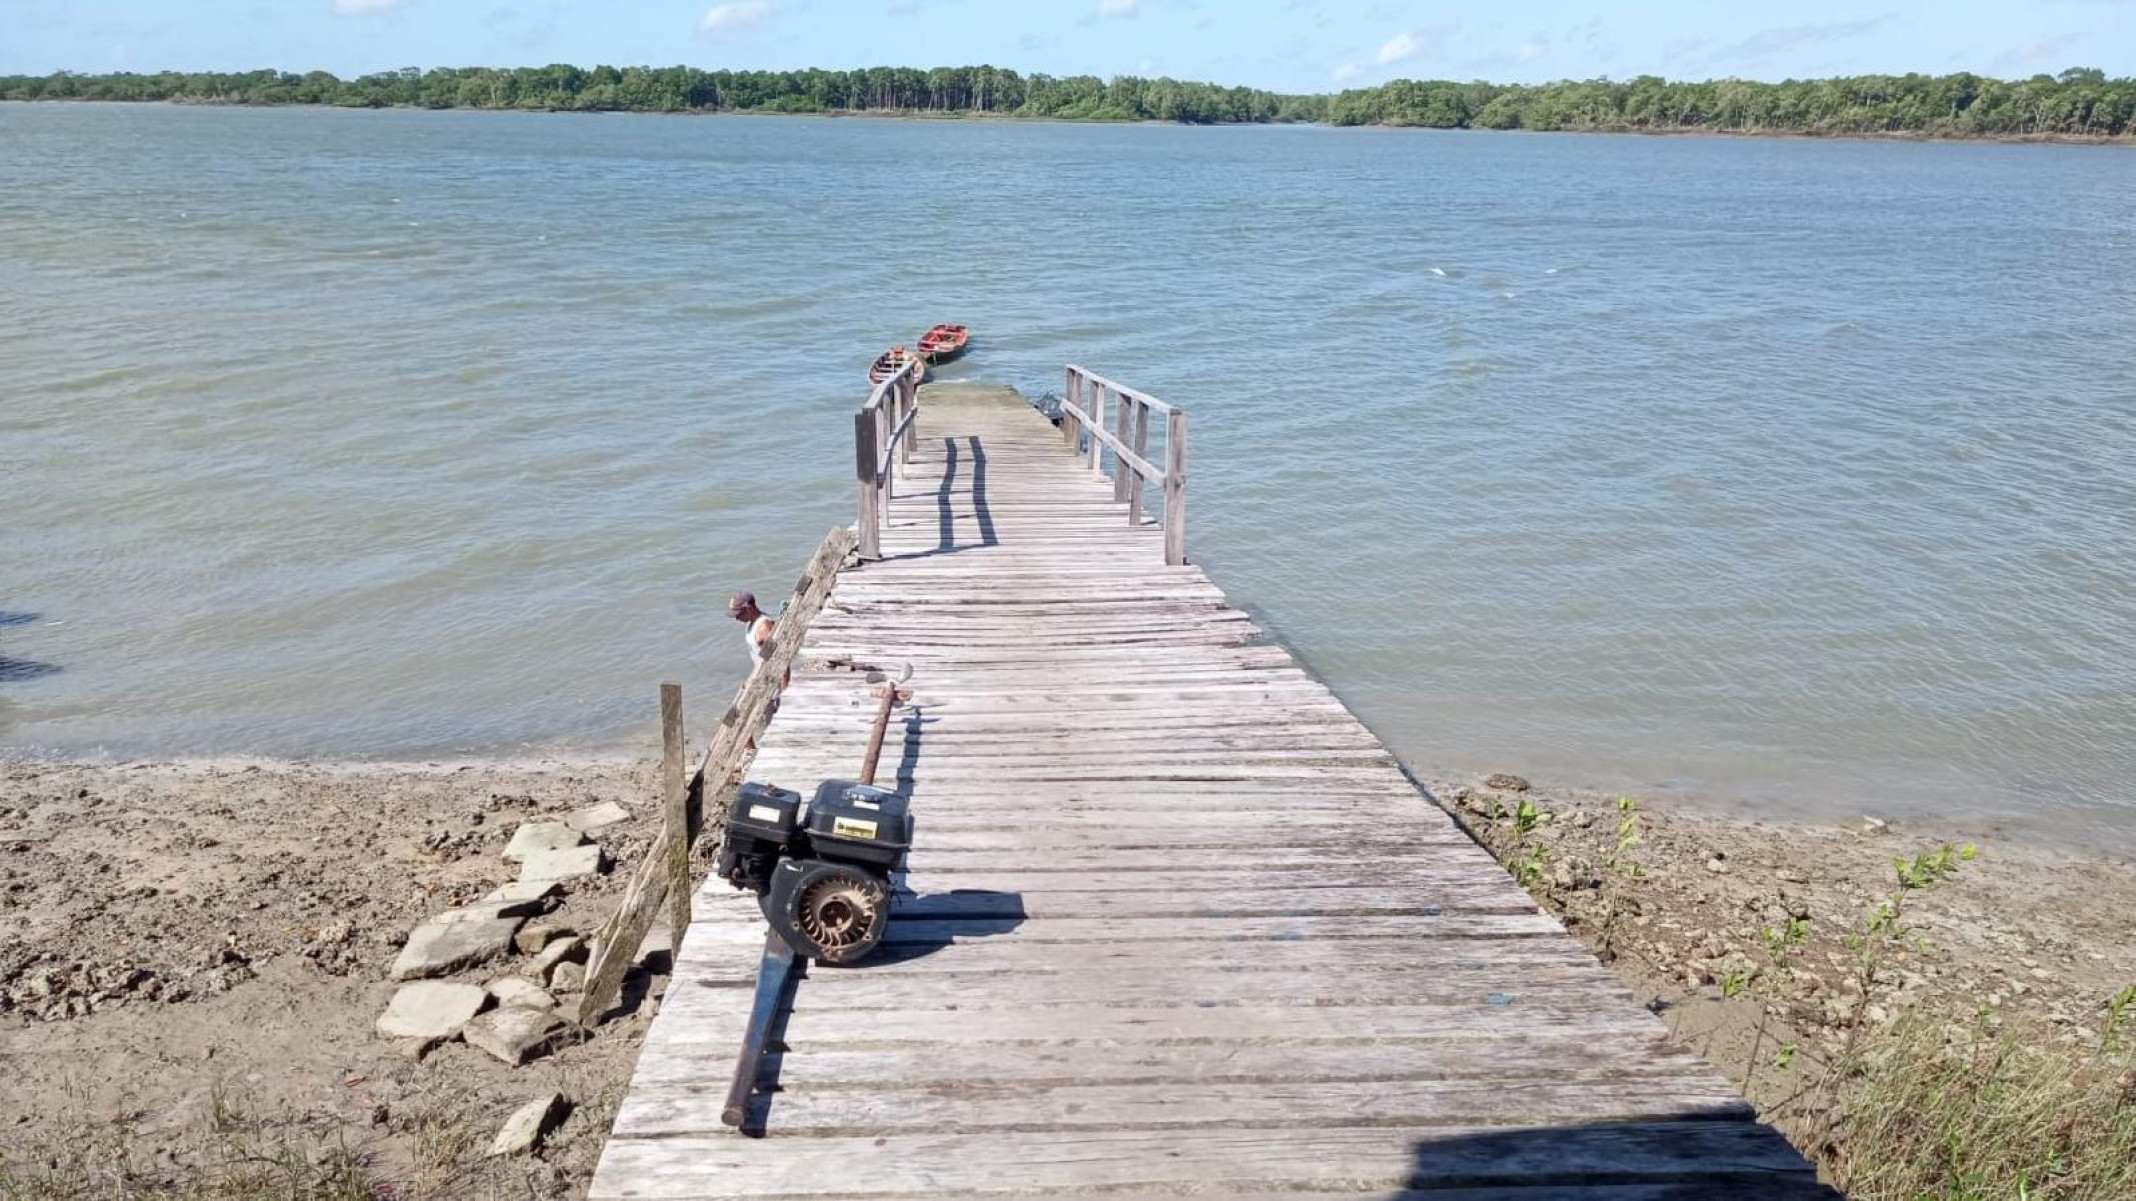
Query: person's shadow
x,y
14,670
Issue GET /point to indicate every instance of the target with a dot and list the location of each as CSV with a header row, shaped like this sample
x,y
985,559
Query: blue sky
x,y
1289,45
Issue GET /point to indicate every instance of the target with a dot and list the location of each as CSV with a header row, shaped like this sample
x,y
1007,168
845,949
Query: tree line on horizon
x,y
2079,101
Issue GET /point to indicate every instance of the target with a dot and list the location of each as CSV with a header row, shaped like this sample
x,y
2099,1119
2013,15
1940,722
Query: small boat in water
x,y
943,343
888,363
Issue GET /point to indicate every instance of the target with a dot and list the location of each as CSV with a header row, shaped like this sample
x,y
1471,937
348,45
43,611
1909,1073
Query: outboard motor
x,y
821,870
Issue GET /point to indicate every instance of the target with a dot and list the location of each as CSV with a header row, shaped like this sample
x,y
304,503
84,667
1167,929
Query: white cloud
x,y
2025,56
1116,8
361,8
722,19
1345,73
1399,47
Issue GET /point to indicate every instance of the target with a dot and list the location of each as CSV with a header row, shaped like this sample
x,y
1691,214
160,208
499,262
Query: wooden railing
x,y
882,439
1083,412
690,806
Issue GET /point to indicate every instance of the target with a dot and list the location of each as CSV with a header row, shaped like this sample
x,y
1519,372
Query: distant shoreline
x,y
2126,141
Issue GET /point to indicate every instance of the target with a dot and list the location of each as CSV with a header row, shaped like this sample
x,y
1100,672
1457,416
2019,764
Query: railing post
x,y
912,431
1141,444
674,801
1122,473
864,526
1175,488
1069,393
883,459
1095,419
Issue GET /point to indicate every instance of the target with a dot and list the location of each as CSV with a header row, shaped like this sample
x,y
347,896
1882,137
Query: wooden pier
x,y
1178,924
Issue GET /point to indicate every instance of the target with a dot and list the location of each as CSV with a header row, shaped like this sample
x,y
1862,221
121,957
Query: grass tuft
x,y
1988,1118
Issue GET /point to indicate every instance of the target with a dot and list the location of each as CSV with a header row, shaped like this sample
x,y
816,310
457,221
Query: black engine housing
x,y
821,872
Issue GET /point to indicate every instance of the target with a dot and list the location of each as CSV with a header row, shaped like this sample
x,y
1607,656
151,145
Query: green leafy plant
x,y
2118,1007
1781,942
1627,838
1526,817
1528,869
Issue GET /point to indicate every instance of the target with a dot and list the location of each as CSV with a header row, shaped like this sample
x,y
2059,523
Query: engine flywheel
x,y
842,913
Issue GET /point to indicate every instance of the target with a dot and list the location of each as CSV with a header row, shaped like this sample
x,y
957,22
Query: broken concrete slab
x,y
520,896
479,911
514,1033
512,990
540,836
568,977
527,1124
536,935
564,863
562,949
445,944
597,817
431,1009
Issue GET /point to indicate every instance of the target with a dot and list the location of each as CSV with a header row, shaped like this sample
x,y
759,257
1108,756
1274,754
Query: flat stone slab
x,y
538,934
447,943
515,1033
527,1124
513,990
597,817
555,953
531,837
431,1009
564,863
520,896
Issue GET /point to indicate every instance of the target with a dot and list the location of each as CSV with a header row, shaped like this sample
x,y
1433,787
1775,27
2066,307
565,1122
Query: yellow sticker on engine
x,y
846,827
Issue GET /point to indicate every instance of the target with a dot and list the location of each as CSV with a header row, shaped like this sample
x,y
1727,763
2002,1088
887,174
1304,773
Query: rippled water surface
x,y
1796,472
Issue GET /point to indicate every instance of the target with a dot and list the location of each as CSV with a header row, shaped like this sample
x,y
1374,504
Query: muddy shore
x,y
193,955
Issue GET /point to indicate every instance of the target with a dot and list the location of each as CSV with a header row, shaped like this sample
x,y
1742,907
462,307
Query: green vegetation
x,y
1986,1116
2080,102
963,90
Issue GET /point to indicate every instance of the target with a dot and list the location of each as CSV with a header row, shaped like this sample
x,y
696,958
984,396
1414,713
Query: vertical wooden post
x,y
1141,443
884,461
1069,399
1122,409
1095,418
912,431
674,801
864,467
1175,488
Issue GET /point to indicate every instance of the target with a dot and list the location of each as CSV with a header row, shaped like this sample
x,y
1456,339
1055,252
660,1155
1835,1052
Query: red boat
x,y
888,363
943,343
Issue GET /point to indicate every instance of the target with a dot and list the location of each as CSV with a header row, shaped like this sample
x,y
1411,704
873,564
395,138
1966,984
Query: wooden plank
x,y
1503,1055
1175,931
1217,1162
898,1111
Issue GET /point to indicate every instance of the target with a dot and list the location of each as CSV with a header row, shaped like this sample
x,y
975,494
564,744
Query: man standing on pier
x,y
742,607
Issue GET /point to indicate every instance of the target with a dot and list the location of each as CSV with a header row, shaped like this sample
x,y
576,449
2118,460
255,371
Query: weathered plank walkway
x,y
1180,925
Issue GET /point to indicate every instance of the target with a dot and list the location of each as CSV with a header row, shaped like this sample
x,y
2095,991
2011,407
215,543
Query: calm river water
x,y
1800,473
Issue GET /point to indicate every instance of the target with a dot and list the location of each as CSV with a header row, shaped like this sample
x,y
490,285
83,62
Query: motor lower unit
x,y
821,868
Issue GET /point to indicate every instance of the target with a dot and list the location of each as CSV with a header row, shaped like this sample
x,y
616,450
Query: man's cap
x,y
740,601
